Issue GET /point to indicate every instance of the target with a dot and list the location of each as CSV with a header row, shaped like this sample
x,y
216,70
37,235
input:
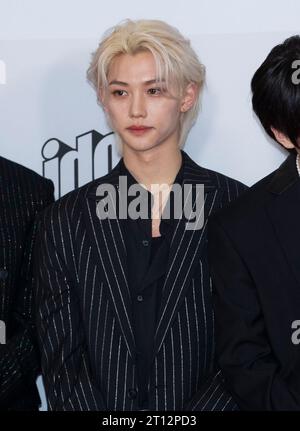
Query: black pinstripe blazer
x,y
84,308
22,194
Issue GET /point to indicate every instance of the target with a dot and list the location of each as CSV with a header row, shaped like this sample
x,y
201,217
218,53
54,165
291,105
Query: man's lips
x,y
138,127
138,130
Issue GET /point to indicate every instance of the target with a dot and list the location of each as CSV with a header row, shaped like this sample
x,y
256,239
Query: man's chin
x,y
140,147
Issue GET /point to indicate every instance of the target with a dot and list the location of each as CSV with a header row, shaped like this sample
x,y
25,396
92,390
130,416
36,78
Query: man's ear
x,y
282,139
190,96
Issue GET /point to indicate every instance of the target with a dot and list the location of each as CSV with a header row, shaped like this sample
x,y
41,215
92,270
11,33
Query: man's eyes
x,y
155,90
118,92
151,91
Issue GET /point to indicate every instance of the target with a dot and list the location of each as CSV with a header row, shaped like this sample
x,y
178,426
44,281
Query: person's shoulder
x,y
215,180
23,179
71,204
248,205
222,181
13,171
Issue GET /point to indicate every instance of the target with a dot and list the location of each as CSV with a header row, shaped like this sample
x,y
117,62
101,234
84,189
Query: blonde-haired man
x,y
124,303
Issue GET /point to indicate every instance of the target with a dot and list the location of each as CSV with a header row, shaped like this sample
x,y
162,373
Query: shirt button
x,y
3,274
140,298
132,393
145,243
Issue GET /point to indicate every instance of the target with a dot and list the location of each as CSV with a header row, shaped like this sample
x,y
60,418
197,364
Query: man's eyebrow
x,y
125,84
154,81
118,83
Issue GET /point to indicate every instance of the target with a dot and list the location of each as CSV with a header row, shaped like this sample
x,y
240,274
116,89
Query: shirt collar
x,y
166,223
131,180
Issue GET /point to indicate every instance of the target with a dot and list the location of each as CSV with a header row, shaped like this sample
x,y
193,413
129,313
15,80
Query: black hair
x,y
276,90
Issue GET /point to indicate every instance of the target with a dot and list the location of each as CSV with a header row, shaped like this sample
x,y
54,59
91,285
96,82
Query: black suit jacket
x,y
85,311
22,194
255,260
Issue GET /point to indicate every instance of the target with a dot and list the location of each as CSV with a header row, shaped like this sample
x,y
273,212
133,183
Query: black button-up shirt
x,y
147,259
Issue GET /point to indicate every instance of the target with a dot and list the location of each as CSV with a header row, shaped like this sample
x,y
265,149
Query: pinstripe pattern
x,y
23,193
84,308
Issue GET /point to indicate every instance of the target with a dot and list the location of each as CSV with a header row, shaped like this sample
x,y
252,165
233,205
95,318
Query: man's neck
x,y
156,166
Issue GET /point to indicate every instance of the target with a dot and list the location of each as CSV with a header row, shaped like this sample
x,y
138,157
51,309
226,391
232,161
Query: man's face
x,y
133,100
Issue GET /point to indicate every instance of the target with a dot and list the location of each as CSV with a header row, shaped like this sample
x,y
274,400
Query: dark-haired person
x,y
23,194
254,254
125,315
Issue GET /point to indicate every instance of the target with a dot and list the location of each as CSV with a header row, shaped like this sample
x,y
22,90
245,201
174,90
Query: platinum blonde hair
x,y
176,62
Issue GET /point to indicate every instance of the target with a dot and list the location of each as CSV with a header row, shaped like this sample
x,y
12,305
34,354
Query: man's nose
x,y
138,106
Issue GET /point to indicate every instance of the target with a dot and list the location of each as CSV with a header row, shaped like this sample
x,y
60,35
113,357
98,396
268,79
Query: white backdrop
x,y
45,50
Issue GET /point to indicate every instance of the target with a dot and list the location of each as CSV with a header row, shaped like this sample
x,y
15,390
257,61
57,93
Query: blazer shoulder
x,y
223,181
230,188
14,174
70,203
247,206
215,179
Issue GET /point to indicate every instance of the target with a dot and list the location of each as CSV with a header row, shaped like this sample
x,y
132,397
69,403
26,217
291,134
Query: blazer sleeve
x,y
19,357
250,369
65,364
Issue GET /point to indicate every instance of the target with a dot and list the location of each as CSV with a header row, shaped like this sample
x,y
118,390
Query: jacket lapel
x,y
108,243
283,209
186,248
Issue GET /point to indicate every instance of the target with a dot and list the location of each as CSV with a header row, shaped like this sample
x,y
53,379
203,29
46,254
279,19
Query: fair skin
x,y
133,98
